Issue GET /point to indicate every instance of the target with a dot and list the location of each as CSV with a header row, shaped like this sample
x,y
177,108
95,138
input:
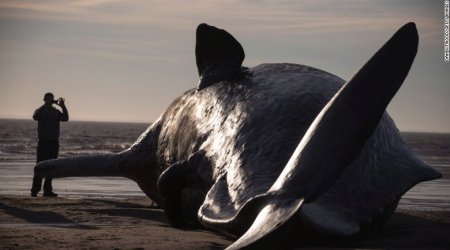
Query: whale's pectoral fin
x,y
337,135
179,180
218,54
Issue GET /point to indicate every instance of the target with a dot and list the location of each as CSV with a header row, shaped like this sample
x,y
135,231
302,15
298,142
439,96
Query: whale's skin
x,y
248,130
213,156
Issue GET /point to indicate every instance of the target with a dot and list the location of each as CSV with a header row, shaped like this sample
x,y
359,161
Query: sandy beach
x,y
55,223
113,213
100,223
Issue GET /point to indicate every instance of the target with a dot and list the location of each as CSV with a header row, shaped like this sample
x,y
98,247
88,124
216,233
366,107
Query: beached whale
x,y
277,150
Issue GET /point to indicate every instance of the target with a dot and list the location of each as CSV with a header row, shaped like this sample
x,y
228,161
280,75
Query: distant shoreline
x,y
78,121
151,122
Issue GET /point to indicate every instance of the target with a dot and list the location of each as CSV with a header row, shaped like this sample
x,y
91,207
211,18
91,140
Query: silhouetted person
x,y
48,118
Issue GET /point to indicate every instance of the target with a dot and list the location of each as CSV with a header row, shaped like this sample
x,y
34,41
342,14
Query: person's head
x,y
49,98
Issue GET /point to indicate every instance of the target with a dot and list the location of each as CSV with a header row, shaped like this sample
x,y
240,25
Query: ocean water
x,y
18,140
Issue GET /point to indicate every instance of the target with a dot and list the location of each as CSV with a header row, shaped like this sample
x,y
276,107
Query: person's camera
x,y
58,101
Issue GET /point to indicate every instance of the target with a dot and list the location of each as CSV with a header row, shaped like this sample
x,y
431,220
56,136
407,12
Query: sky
x,y
115,60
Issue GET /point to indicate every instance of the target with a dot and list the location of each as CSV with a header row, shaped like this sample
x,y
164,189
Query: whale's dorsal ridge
x,y
218,54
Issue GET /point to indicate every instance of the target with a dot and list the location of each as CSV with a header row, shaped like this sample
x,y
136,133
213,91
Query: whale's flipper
x,y
218,54
173,182
273,214
337,135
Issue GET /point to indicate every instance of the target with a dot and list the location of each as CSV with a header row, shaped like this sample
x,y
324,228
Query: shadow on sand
x,y
129,209
402,231
408,231
42,218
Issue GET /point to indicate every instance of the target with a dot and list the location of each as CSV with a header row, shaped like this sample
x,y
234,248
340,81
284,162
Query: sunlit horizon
x,y
126,61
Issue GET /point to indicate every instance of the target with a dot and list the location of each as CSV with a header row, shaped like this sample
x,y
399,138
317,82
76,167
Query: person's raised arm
x,y
65,113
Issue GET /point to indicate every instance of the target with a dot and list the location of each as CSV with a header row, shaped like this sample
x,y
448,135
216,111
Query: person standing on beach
x,y
48,118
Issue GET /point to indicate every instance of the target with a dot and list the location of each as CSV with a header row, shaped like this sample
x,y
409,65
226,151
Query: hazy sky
x,y
119,60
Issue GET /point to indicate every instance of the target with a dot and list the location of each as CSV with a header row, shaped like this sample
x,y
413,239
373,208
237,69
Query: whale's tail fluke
x,y
337,135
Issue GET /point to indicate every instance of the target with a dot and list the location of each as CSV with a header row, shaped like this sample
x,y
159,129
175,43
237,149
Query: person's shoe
x,y
49,194
33,194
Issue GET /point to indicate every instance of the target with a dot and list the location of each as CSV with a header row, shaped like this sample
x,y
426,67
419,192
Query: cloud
x,y
135,39
307,16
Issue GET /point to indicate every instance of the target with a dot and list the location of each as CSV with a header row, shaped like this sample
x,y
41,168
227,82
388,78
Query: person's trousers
x,y
46,150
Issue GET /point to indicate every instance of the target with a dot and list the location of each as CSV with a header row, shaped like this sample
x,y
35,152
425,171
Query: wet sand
x,y
107,223
55,223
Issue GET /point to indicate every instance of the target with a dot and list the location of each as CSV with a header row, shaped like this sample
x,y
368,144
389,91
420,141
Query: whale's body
x,y
251,150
